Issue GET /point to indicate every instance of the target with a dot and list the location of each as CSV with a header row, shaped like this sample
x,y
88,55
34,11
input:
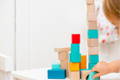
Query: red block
x,y
75,38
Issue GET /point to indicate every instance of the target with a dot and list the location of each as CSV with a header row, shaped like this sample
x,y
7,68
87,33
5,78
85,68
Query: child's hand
x,y
102,68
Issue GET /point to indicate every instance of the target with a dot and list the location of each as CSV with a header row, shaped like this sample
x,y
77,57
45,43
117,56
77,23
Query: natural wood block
x,y
63,56
92,42
64,64
92,25
90,2
91,13
59,50
84,74
75,75
74,66
93,50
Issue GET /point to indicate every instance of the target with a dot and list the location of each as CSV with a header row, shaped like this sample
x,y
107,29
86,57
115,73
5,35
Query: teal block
x,y
90,76
75,57
93,59
90,66
55,66
75,48
93,34
56,74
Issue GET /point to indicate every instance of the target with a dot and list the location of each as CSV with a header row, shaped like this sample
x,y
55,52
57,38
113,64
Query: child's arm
x,y
105,68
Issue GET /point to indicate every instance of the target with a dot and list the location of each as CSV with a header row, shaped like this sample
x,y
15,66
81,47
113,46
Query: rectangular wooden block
x,y
75,75
90,2
92,25
93,50
91,13
83,60
84,74
92,42
74,66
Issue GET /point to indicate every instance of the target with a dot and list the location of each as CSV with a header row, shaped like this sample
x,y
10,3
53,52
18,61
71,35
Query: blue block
x,y
90,76
55,66
93,34
75,57
56,74
90,66
93,59
75,48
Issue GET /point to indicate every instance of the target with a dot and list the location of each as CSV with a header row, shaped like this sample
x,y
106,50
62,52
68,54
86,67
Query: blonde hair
x,y
112,7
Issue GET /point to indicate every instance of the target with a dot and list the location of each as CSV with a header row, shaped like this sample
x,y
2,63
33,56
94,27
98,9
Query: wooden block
x,y
64,64
59,50
83,67
83,60
93,50
74,66
84,74
75,75
63,56
91,13
92,42
90,2
92,25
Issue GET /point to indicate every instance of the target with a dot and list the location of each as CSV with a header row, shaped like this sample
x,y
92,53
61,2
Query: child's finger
x,y
97,75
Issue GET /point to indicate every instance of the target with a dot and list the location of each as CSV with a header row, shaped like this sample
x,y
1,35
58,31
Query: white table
x,y
41,74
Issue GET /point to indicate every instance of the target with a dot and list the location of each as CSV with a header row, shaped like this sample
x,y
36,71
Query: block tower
x,y
93,49
75,58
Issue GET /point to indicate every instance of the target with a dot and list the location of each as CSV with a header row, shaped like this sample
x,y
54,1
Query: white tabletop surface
x,y
41,74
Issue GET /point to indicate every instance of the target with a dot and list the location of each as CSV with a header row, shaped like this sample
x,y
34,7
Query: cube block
x,y
93,59
92,42
76,58
75,38
90,77
75,48
93,34
56,66
74,66
56,74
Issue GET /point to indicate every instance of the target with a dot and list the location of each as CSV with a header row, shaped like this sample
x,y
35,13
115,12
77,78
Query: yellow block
x,y
74,66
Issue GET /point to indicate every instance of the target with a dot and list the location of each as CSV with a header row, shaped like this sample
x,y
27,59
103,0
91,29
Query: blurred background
x,y
31,29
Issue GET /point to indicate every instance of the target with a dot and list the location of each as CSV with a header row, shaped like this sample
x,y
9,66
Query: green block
x,y
90,76
75,48
93,34
55,66
90,66
94,59
75,57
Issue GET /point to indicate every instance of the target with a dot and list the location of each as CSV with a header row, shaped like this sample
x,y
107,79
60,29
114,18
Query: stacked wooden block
x,y
93,49
75,58
63,58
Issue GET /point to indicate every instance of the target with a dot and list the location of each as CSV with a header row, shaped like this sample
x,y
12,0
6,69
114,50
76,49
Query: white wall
x,y
43,25
7,29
